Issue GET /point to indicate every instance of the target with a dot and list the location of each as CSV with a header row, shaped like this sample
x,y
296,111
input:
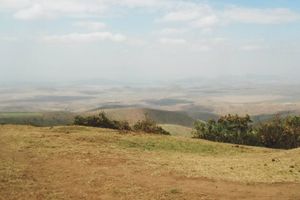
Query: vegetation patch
x,y
102,121
149,126
277,133
37,118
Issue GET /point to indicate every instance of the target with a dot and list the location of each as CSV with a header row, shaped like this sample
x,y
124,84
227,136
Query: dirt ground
x,y
38,171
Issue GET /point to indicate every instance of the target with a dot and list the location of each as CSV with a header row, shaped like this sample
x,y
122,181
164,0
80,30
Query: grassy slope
x,y
170,117
37,118
205,116
89,163
177,130
19,114
183,156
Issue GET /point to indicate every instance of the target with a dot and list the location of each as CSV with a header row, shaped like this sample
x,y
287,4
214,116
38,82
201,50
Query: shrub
x,y
278,133
149,126
229,128
122,125
281,133
101,121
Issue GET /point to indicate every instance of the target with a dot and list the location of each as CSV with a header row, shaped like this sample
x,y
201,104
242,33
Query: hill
x,y
133,115
37,118
201,115
177,130
91,163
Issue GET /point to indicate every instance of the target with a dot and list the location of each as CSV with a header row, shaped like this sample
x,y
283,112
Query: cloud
x,y
199,15
206,22
252,47
260,16
49,9
188,12
90,25
34,12
14,4
206,17
170,31
180,16
142,3
8,38
52,9
172,41
193,15
84,37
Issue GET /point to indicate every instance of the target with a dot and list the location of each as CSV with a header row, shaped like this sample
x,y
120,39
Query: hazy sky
x,y
54,40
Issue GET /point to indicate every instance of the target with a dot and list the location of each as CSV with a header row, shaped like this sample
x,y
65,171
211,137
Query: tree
x,y
281,133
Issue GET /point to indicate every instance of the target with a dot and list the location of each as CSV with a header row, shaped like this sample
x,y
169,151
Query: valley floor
x,y
89,163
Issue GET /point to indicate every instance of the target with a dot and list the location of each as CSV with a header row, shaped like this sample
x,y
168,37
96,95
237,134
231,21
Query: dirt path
x,y
109,177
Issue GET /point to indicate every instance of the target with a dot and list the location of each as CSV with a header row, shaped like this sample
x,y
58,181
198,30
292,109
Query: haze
x,y
66,40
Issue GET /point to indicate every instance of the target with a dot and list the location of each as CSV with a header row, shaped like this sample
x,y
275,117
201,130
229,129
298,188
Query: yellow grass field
x,y
88,163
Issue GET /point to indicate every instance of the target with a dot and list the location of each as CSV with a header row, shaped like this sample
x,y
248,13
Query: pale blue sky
x,y
42,40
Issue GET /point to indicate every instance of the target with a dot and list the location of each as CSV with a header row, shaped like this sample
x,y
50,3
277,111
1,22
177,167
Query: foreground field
x,y
89,163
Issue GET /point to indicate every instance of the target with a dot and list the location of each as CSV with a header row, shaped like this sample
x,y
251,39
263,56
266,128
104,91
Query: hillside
x,y
132,115
91,163
37,118
204,116
177,130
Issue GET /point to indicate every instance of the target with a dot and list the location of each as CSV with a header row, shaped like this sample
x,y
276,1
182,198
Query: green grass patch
x,y
36,118
172,144
19,114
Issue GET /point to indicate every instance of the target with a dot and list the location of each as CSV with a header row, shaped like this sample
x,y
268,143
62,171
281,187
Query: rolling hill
x,y
133,115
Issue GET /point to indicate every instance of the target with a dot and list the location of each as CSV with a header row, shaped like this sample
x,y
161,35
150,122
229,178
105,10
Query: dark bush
x,y
101,121
149,126
281,133
122,125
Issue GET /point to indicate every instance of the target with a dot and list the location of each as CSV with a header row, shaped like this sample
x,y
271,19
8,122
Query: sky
x,y
66,40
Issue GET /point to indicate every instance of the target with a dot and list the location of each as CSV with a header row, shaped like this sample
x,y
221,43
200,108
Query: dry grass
x,y
80,162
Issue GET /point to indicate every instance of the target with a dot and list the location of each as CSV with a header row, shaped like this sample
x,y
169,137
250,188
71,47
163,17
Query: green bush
x,y
229,128
278,133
